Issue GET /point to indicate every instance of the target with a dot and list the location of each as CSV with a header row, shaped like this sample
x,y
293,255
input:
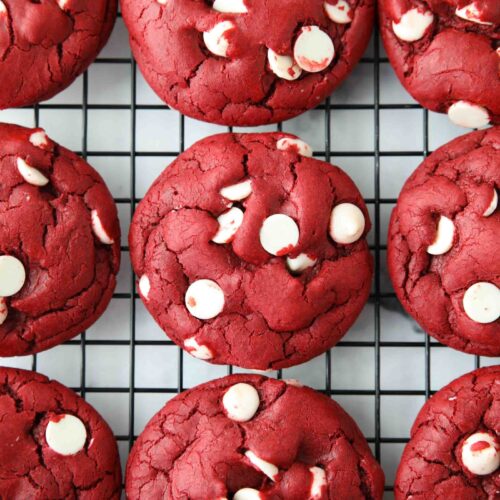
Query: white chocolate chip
x,y
63,4
39,139
318,482
3,310
230,6
413,25
31,175
229,223
241,402
162,2
66,435
216,39
471,13
247,494
3,8
99,230
12,275
270,470
445,234
237,192
204,299
298,145
493,204
283,66
279,234
144,286
347,223
482,302
293,382
481,453
313,50
339,13
300,263
466,114
197,350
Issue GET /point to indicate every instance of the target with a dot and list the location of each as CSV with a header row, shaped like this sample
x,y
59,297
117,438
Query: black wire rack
x,y
378,296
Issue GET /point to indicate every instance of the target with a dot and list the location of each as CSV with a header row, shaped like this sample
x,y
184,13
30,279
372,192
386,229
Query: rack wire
x,y
387,445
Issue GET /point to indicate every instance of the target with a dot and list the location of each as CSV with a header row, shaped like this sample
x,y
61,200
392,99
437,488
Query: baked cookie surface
x,y
247,62
443,244
250,252
248,437
454,450
59,243
45,45
446,54
52,443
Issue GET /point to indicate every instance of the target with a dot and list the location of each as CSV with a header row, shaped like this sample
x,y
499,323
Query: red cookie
x,y
443,239
249,437
247,62
250,252
454,450
46,44
445,54
59,243
52,443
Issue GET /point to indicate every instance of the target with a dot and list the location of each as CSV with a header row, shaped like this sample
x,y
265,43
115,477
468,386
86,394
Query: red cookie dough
x,y
433,465
447,52
58,221
239,87
46,44
256,312
195,448
460,182
36,414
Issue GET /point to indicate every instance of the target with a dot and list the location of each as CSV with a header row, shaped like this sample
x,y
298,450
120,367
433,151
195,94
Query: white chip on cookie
x,y
39,139
229,223
493,204
247,494
241,402
230,6
283,66
237,192
318,482
3,8
300,263
270,470
471,13
196,350
217,40
30,174
4,312
469,115
279,234
99,230
12,275
413,24
445,234
340,13
144,286
347,223
296,145
313,50
481,453
204,299
66,434
482,302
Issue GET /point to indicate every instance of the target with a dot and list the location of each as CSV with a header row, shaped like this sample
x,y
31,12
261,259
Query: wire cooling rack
x,y
383,369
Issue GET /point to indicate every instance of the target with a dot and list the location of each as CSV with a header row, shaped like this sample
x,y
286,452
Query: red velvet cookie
x,y
247,62
444,237
454,450
46,44
446,54
52,443
249,437
250,252
59,243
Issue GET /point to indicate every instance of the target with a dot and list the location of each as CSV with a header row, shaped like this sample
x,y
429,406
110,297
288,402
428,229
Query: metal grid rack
x,y
382,360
